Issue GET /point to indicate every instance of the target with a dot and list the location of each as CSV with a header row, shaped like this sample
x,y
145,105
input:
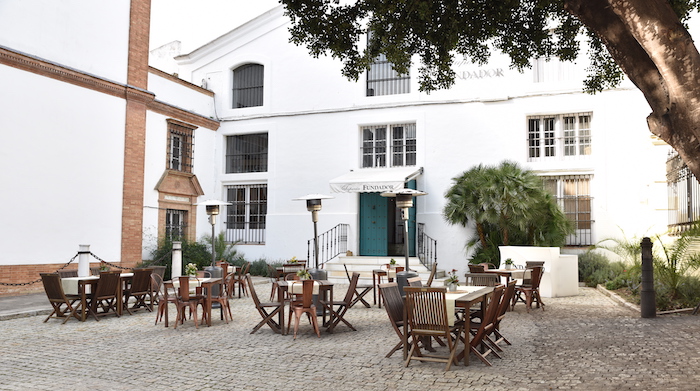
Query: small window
x,y
248,86
247,215
400,138
175,224
180,146
246,153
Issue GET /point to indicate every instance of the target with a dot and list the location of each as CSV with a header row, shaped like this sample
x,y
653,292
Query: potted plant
x,y
303,274
452,281
509,263
191,269
392,262
293,260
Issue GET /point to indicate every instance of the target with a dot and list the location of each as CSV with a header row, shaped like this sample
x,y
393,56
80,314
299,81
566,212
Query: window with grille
x,y
382,79
563,136
397,140
248,86
175,224
246,216
180,146
573,194
246,153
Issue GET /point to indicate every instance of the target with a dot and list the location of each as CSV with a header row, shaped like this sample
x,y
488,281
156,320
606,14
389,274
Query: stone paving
x,y
586,342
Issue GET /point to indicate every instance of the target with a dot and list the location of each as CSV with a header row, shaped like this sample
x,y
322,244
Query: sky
x,y
197,22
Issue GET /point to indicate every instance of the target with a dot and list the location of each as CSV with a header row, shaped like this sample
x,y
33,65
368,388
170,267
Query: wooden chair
x,y
274,276
426,313
433,270
479,344
503,307
393,303
306,306
360,290
67,273
140,289
267,310
106,294
482,279
414,281
530,291
165,295
220,296
476,268
58,298
185,300
338,314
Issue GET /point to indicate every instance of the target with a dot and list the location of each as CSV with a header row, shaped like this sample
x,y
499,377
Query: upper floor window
x,y
180,146
553,71
561,136
389,145
573,194
246,216
248,86
246,153
382,79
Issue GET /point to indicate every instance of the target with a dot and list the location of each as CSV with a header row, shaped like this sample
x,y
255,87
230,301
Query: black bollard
x,y
647,294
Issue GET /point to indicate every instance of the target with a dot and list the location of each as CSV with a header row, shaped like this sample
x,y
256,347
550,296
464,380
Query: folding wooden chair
x,y
503,307
140,289
426,313
58,298
338,315
479,344
360,290
393,303
530,291
264,310
106,294
482,279
433,270
414,281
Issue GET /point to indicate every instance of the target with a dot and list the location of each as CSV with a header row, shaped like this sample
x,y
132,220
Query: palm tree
x,y
507,205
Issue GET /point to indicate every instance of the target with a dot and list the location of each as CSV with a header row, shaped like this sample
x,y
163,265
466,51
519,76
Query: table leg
x,y
83,301
280,318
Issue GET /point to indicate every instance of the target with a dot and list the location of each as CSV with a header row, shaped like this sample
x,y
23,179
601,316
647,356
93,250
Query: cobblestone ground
x,y
582,342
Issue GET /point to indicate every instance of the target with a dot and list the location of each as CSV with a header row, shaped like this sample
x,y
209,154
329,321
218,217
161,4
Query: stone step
x,y
366,265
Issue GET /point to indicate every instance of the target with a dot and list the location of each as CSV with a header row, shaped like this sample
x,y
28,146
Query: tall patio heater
x,y
313,205
212,208
404,201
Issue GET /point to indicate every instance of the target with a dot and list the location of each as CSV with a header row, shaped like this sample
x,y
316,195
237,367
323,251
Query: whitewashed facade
x,y
314,121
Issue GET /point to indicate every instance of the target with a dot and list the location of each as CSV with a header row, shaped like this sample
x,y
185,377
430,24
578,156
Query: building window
x,y
553,71
563,136
248,86
573,194
246,216
382,79
175,224
180,146
376,141
246,153
683,195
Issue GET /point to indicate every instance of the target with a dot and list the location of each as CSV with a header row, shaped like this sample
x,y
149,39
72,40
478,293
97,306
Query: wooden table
x,y
466,301
377,275
510,273
77,286
325,294
206,285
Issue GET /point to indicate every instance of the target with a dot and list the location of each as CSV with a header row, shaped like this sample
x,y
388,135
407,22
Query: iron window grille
x,y
683,195
246,216
180,146
573,196
248,82
175,224
246,153
376,141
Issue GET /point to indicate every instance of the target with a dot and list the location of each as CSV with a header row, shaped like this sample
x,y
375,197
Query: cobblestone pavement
x,y
583,342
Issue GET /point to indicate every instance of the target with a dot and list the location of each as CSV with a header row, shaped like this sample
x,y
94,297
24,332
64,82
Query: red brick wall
x,y
19,274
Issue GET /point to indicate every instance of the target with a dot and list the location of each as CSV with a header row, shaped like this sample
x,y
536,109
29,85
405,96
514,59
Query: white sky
x,y
197,22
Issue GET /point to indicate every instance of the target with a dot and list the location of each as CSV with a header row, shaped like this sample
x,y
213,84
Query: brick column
x,y
135,133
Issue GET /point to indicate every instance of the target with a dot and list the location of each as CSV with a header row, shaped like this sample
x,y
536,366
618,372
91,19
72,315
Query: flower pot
x,y
451,287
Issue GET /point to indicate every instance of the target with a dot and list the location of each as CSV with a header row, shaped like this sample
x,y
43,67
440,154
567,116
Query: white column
x,y
176,269
83,260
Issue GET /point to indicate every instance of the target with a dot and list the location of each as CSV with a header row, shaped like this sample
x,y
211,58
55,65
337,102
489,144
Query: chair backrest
x,y
399,268
291,277
159,270
292,267
486,265
251,289
489,317
531,264
476,268
141,280
482,279
53,287
246,268
157,285
414,281
203,274
536,277
393,302
426,309
107,284
68,273
433,270
272,271
184,290
351,289
308,293
508,294
346,271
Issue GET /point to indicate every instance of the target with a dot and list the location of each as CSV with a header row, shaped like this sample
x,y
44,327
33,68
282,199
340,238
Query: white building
x,y
100,149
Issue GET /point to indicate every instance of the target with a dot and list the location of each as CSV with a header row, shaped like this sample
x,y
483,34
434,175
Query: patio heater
x,y
404,201
213,209
313,205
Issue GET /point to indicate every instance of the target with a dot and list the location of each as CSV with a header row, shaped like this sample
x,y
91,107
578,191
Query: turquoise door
x,y
373,224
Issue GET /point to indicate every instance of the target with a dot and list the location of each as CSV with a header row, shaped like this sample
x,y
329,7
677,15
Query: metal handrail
x,y
330,244
427,248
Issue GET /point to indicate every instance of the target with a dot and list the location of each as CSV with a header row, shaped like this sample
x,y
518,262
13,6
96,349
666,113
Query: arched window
x,y
248,86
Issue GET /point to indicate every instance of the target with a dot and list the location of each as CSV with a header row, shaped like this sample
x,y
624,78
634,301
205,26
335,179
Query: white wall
x,y
90,36
62,158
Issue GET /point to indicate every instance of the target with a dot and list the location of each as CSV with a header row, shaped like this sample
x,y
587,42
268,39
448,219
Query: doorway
x,y
382,231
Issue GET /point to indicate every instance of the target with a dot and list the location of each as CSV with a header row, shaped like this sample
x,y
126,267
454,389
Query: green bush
x,y
593,268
